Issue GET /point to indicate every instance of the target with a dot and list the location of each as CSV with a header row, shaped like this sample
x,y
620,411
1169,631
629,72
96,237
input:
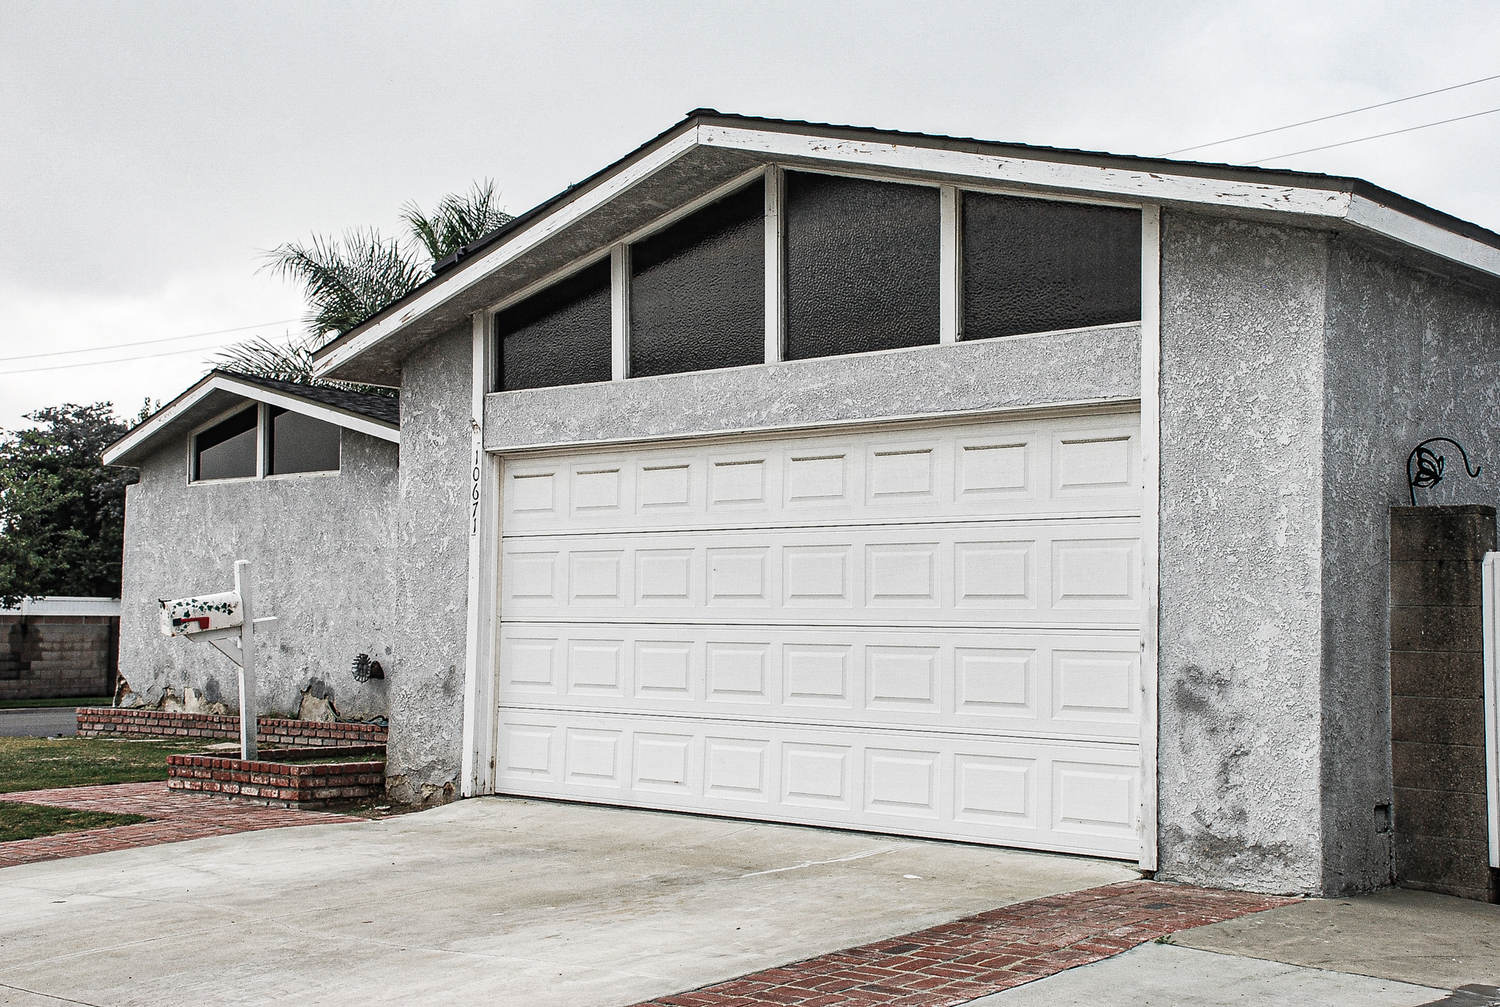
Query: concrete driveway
x,y
500,900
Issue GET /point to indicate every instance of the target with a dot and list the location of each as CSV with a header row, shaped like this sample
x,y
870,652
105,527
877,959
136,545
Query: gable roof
x,y
710,152
221,391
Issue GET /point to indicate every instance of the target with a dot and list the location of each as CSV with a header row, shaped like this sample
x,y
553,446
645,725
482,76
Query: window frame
x,y
262,448
773,178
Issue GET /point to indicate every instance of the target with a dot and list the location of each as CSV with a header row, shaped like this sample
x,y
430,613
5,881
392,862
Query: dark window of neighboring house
x,y
300,443
861,265
697,289
1031,265
226,450
559,336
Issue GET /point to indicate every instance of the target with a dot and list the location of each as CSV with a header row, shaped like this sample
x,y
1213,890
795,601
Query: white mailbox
x,y
190,616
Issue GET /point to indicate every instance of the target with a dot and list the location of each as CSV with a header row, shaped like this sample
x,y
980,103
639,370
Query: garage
x,y
925,629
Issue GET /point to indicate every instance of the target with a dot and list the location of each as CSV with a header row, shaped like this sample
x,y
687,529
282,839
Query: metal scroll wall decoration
x,y
1425,467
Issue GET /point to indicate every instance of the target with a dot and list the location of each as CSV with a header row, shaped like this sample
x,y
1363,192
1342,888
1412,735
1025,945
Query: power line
x,y
1377,136
118,360
1336,115
144,342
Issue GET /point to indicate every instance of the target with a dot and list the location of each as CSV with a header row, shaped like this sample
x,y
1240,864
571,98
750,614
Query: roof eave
x,y
141,440
1316,200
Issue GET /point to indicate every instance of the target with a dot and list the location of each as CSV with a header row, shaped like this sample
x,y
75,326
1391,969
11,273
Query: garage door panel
x,y
1037,572
929,629
1058,466
1016,682
1080,798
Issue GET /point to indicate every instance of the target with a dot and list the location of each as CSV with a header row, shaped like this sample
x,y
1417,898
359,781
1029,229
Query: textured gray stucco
x,y
1409,355
1093,365
432,556
1240,565
321,546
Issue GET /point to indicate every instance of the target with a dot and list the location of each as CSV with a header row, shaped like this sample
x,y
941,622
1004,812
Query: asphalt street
x,y
43,723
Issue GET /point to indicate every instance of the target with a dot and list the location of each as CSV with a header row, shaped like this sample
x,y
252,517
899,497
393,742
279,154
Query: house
x,y
914,484
301,481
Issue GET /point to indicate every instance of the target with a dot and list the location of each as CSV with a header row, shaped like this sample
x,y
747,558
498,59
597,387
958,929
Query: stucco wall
x,y
432,550
1240,562
1095,365
322,549
1409,355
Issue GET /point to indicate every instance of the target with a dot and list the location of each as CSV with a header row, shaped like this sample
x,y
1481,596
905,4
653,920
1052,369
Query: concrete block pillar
x,y
1437,699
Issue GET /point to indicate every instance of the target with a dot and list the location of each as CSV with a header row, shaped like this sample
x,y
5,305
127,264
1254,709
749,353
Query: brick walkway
x,y
973,957
175,817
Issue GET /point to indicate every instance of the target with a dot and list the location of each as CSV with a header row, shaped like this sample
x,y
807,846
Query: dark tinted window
x,y
1031,265
861,265
697,290
560,336
227,450
301,444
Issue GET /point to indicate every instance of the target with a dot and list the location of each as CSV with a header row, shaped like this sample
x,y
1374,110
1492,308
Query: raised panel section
x,y
1074,797
922,472
929,629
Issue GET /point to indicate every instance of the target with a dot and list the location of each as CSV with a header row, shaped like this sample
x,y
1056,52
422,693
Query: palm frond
x,y
457,220
346,280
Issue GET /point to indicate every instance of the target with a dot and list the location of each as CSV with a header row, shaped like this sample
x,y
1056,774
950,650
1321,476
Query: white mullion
x,y
950,274
262,440
619,321
775,235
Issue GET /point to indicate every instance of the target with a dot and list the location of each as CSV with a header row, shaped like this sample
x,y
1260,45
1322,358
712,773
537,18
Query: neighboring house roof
x,y
221,391
709,152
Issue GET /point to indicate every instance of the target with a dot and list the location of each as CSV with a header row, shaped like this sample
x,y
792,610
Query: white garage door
x,y
923,629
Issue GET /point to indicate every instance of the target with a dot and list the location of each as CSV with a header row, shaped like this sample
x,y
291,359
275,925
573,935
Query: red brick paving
x,y
979,955
175,817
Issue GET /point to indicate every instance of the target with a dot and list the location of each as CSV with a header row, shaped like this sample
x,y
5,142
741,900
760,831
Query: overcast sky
x,y
149,152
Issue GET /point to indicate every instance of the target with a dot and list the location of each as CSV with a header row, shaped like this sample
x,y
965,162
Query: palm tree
x,y
348,279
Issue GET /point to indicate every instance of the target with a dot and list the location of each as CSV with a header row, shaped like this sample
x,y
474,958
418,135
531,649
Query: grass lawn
x,y
45,763
27,821
38,704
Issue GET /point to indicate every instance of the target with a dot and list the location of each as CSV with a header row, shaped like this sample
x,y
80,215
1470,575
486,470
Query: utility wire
x,y
1336,115
145,342
1377,136
117,360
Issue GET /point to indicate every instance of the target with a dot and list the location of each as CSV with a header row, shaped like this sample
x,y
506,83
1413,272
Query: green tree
x,y
62,512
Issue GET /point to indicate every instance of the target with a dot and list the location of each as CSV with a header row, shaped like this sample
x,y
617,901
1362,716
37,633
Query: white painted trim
x,y
64,605
950,258
1377,218
221,382
1150,526
1491,701
619,312
775,253
477,760
262,440
515,245
1132,184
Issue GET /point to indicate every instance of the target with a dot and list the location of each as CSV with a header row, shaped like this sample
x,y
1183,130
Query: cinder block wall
x,y
57,656
1437,699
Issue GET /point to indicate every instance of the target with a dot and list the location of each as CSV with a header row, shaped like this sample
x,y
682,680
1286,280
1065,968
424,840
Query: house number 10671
x,y
474,497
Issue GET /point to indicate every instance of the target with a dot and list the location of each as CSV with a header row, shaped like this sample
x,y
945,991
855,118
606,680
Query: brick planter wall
x,y
104,722
268,780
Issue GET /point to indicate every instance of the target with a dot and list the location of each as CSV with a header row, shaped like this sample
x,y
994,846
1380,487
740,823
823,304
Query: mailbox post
x,y
228,622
